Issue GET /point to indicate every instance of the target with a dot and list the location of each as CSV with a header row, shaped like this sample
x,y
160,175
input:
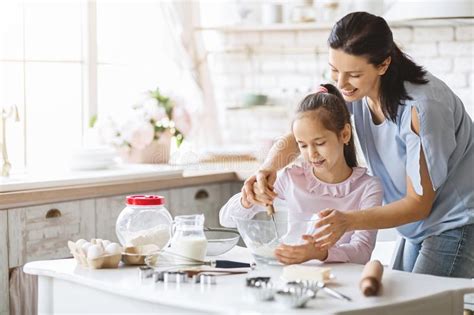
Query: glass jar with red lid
x,y
144,221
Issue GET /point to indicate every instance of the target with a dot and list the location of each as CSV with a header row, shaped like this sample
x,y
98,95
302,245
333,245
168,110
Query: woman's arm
x,y
362,242
411,208
282,153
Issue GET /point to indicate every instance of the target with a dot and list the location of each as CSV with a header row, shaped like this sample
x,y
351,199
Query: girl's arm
x,y
282,153
411,208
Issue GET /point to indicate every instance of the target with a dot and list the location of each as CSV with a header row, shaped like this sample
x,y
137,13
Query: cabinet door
x,y
42,232
107,211
202,199
205,199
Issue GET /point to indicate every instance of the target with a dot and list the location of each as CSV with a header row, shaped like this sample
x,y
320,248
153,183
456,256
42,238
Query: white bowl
x,y
220,241
262,236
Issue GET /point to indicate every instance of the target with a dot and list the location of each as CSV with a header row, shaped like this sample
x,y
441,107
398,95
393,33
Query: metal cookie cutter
x,y
294,297
204,278
145,272
170,276
261,288
256,281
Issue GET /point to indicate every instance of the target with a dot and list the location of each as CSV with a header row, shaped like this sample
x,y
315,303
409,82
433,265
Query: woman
x,y
416,137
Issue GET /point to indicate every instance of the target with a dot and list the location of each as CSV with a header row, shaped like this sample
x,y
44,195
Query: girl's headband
x,y
322,89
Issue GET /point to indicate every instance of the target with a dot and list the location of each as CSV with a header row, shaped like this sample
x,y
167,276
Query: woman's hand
x,y
296,254
333,224
258,189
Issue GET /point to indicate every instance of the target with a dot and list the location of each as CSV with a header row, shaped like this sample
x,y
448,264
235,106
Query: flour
x,y
263,250
159,235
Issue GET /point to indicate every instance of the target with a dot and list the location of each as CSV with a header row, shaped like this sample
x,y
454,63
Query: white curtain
x,y
186,49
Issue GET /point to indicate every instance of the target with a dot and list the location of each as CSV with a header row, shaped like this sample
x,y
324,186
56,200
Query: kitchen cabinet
x,y
41,232
4,275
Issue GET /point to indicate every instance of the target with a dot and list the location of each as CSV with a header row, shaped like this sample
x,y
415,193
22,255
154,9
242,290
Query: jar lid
x,y
145,200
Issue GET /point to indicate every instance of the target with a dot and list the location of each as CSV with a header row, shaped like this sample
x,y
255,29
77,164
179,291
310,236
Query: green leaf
x,y
92,121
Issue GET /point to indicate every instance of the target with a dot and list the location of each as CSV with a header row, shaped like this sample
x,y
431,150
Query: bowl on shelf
x,y
261,238
220,240
252,99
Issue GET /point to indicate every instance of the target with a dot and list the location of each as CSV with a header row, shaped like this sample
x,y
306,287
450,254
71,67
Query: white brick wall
x,y
456,48
465,33
426,34
285,64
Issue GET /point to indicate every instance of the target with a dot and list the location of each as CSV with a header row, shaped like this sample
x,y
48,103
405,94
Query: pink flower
x,y
141,136
153,110
182,119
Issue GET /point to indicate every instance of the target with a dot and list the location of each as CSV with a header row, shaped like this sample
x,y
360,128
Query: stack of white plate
x,y
94,158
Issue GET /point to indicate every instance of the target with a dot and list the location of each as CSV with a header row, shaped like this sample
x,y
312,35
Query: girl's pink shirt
x,y
305,195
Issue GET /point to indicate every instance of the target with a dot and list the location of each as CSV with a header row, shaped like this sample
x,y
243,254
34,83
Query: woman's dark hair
x,y
333,114
369,36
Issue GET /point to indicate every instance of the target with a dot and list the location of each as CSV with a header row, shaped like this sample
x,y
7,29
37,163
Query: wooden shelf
x,y
260,108
314,26
267,28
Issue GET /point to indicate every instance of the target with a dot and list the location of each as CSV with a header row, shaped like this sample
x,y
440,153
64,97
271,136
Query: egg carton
x,y
103,261
135,255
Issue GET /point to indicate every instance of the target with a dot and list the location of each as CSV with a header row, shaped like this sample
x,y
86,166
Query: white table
x,y
66,287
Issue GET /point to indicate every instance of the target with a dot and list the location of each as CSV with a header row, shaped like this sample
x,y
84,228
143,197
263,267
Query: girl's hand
x,y
333,224
296,254
258,189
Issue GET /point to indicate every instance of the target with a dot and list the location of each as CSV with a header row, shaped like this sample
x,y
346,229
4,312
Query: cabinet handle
x,y
53,213
201,194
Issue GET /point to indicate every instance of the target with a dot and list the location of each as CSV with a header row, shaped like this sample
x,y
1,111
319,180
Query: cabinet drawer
x,y
107,211
42,232
205,199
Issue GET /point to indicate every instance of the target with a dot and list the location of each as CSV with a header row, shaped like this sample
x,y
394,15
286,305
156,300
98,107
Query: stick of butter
x,y
310,273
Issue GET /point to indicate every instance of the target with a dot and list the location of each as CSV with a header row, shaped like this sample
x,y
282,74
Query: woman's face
x,y
355,76
322,148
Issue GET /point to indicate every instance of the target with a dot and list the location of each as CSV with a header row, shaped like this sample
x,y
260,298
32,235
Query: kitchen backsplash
x,y
287,64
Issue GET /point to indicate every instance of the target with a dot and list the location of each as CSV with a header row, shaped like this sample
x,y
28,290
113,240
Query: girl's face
x,y
355,76
321,147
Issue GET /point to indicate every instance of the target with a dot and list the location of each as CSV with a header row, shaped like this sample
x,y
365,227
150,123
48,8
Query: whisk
x,y
167,260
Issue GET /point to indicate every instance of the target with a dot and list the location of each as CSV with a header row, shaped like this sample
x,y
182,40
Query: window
x,y
62,62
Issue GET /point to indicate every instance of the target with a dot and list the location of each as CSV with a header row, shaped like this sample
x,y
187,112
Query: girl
x,y
328,178
416,137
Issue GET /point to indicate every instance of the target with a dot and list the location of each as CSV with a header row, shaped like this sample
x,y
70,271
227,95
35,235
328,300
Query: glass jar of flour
x,y
189,239
144,221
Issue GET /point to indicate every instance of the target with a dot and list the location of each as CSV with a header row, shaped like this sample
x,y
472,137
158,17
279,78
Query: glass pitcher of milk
x,y
188,238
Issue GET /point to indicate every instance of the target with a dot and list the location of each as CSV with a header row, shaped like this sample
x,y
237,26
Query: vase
x,y
158,151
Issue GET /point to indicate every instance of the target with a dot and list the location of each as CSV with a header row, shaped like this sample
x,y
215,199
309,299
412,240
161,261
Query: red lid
x,y
145,200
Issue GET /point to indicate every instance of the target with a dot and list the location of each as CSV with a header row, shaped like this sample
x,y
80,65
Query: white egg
x,y
94,251
85,246
80,242
105,243
113,249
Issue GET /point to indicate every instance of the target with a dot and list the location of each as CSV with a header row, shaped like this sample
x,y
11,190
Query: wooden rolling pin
x,y
371,279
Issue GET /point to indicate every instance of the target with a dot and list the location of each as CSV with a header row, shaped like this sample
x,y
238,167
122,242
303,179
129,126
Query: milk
x,y
190,247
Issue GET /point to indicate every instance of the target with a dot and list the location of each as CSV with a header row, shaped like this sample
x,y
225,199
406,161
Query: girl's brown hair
x,y
334,115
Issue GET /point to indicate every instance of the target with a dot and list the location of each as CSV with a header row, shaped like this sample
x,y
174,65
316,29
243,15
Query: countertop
x,y
36,189
402,292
